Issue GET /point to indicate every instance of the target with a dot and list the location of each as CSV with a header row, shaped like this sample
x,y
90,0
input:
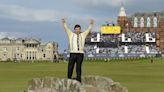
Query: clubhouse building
x,y
27,49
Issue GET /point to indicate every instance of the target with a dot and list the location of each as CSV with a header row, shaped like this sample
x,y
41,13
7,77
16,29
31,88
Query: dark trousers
x,y
78,59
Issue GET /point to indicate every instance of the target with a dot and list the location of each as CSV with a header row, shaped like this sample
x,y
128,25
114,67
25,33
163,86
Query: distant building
x,y
152,22
27,49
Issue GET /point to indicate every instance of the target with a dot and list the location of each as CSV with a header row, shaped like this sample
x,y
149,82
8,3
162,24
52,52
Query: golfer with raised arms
x,y
76,48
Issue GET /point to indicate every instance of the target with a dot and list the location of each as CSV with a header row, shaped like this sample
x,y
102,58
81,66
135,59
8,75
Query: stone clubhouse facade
x,y
27,49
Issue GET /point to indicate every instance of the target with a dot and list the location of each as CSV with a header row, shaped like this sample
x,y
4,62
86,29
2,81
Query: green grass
x,y
137,75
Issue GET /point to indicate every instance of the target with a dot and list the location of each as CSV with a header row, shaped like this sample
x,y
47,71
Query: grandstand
x,y
123,45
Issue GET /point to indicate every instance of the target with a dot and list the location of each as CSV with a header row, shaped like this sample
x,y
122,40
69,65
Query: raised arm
x,y
68,31
89,28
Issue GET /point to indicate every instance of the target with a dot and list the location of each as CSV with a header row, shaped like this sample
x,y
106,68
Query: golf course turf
x,y
138,75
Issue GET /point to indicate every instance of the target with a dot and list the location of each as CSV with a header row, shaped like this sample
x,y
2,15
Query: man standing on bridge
x,y
76,48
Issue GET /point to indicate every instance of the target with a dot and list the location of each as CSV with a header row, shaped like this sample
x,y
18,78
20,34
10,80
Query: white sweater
x,y
73,48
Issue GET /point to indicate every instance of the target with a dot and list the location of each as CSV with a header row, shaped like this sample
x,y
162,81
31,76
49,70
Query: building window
x,y
5,49
148,22
135,22
142,22
162,43
155,22
17,48
44,55
4,55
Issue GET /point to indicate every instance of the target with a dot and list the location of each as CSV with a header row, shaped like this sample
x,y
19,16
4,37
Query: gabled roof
x,y
31,40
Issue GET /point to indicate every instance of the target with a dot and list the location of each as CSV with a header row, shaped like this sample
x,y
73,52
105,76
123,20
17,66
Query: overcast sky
x,y
42,18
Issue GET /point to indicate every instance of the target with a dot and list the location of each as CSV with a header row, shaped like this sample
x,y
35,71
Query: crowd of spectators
x,y
118,49
132,49
138,36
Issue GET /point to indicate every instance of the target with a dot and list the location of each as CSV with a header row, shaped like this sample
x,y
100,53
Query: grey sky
x,y
42,18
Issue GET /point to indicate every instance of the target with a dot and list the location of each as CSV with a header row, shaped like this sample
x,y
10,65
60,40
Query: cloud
x,y
26,14
3,34
97,3
11,35
21,13
112,6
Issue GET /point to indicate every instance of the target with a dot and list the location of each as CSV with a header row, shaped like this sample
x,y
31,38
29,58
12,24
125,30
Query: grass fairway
x,y
137,75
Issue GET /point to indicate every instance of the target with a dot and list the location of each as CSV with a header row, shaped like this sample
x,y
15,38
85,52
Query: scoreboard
x,y
110,30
